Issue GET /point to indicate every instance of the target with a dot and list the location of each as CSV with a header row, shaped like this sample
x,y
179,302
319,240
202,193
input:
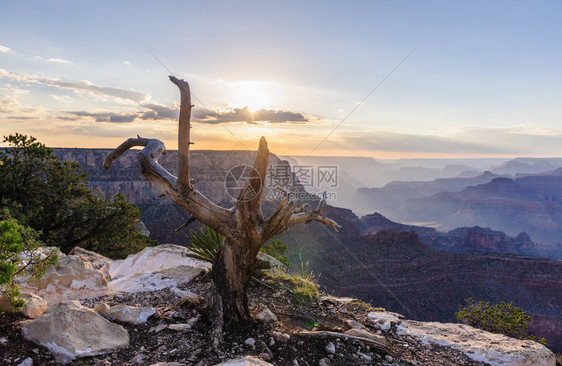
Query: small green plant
x,y
276,248
19,257
312,324
205,244
503,318
362,305
305,291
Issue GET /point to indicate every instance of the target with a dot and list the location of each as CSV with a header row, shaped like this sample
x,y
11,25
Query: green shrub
x,y
205,244
502,318
53,198
276,248
18,258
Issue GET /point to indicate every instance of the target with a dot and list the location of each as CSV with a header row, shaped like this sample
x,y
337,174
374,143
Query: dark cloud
x,y
171,112
159,111
115,117
245,115
20,117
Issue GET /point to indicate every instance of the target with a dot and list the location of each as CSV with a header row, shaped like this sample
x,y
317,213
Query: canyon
x,y
418,271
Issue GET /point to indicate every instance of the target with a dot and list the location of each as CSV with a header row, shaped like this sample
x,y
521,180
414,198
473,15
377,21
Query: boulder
x,y
265,315
479,345
270,264
246,361
71,279
152,259
157,280
383,320
70,330
130,314
34,305
97,261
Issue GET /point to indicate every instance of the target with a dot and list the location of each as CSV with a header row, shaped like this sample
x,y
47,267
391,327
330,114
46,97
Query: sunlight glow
x,y
251,94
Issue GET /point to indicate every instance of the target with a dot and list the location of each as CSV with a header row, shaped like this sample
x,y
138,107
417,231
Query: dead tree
x,y
244,227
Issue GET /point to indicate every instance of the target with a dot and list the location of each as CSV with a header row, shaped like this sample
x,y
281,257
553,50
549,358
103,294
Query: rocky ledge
x,y
149,309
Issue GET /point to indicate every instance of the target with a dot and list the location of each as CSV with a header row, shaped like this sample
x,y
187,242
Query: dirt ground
x,y
149,344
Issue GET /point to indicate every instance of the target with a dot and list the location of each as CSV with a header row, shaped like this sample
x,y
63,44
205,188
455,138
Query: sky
x,y
459,79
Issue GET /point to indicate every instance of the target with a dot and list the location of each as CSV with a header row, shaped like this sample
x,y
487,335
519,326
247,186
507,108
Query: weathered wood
x,y
184,130
334,335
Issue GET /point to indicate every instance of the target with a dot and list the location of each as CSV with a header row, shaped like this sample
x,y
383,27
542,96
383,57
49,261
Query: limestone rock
x,y
365,334
71,279
272,265
27,362
103,309
479,345
70,330
152,259
383,320
246,361
34,305
330,348
265,315
97,261
180,327
130,314
157,280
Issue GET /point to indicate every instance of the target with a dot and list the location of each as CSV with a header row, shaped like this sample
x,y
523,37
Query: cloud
x,y
115,117
4,49
79,87
8,104
246,115
159,111
52,59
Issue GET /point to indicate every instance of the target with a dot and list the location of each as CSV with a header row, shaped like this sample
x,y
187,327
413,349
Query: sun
x,y
252,94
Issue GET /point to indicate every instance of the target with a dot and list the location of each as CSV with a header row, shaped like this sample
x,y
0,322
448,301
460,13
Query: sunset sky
x,y
485,78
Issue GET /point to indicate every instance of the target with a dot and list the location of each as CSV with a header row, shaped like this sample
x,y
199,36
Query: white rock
x,y
354,324
388,358
383,319
70,330
71,279
324,362
3,340
265,316
330,348
246,361
34,305
102,309
152,259
130,314
364,356
270,264
250,341
97,261
495,349
157,280
180,327
27,362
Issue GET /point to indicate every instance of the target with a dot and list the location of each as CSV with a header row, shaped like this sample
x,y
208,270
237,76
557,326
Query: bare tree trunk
x,y
243,226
